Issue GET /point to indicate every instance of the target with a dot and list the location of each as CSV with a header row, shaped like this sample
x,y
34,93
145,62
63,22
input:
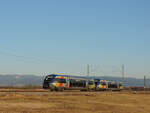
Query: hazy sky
x,y
63,36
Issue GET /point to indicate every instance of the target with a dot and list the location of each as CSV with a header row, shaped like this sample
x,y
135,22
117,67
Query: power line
x,y
144,82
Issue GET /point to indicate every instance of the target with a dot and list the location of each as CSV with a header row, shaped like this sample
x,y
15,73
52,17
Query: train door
x,y
97,82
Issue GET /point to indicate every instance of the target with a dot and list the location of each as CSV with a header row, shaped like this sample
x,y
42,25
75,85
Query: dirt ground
x,y
74,102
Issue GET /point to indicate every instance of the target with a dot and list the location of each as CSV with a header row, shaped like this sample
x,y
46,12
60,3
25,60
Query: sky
x,y
62,36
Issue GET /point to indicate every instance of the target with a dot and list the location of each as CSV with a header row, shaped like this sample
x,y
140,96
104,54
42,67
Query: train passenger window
x,y
82,83
77,83
112,85
72,83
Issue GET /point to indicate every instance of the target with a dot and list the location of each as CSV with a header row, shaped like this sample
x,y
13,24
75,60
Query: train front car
x,y
103,85
46,82
100,85
55,82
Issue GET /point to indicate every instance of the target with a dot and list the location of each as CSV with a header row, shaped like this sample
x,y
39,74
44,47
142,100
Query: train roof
x,y
84,77
73,76
69,76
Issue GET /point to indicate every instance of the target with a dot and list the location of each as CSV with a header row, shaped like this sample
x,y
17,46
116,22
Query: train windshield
x,y
120,84
60,80
48,78
91,82
103,83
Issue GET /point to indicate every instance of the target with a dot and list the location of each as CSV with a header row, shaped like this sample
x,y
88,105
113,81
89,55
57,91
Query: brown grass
x,y
75,102
21,87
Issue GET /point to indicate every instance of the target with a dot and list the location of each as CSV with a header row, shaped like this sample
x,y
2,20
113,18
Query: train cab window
x,y
60,80
48,78
120,84
91,82
103,83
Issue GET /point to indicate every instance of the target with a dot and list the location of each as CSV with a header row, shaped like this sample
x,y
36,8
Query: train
x,y
55,82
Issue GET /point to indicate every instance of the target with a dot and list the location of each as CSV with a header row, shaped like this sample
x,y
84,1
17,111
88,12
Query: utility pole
x,y
144,82
88,70
88,74
123,74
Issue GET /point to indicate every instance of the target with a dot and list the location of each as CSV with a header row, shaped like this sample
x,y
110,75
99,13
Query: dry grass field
x,y
74,102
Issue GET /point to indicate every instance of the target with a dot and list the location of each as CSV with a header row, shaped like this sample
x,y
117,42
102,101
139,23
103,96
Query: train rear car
x,y
114,86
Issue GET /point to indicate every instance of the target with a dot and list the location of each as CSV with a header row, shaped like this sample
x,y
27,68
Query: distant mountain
x,y
22,80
